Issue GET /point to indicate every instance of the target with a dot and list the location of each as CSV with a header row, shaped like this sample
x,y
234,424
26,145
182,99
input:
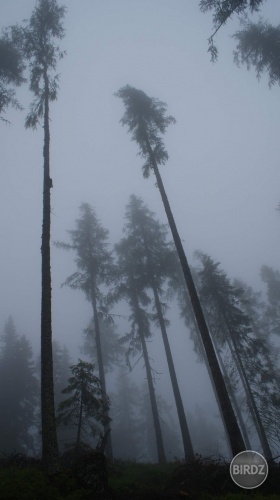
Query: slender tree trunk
x,y
188,448
158,433
187,443
234,400
208,370
107,430
49,437
235,436
250,397
78,441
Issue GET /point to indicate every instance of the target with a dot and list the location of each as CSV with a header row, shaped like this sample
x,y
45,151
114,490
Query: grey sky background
x,y
223,173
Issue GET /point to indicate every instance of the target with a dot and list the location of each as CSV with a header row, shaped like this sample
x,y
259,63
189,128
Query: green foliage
x,y
147,120
258,46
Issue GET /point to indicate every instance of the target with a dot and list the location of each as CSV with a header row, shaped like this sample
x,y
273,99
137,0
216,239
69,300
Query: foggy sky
x,y
223,173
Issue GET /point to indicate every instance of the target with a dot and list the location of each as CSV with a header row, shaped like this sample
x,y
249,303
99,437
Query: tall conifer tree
x,y
89,240
39,47
159,260
131,286
147,121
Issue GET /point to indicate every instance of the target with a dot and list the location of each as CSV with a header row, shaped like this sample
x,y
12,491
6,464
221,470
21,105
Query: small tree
x,y
85,406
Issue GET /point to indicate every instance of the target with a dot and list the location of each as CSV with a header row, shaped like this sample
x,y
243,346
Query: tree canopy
x,y
11,73
147,120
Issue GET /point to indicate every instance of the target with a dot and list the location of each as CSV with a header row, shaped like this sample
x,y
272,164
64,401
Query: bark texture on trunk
x,y
235,436
49,437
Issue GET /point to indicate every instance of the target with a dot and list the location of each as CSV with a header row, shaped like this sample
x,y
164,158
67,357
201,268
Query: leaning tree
x,y
147,121
231,327
131,286
159,261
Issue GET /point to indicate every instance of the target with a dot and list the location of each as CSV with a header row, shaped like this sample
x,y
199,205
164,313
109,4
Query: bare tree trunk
x,y
188,448
250,397
158,433
78,441
49,437
235,436
187,443
201,347
234,400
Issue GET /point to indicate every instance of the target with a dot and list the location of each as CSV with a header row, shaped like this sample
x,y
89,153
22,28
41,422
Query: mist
x,y
222,180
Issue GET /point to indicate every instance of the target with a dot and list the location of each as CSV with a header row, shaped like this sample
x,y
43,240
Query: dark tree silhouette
x,y
271,277
147,121
38,43
231,326
85,407
131,286
223,10
125,418
95,268
11,72
258,46
19,392
159,260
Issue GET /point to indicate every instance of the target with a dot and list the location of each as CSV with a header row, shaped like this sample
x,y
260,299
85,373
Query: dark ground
x,y
22,478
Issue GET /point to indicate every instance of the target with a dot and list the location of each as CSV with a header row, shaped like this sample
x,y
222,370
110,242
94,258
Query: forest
x,y
175,367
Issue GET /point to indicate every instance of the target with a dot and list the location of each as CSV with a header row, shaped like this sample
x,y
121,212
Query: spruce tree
x,y
95,269
19,392
231,326
38,42
86,407
159,260
131,286
147,121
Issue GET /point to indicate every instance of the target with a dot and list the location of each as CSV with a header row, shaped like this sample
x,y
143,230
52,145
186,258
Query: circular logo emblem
x,y
248,469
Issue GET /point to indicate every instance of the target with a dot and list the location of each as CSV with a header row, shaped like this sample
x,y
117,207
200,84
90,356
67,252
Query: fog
x,y
222,177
